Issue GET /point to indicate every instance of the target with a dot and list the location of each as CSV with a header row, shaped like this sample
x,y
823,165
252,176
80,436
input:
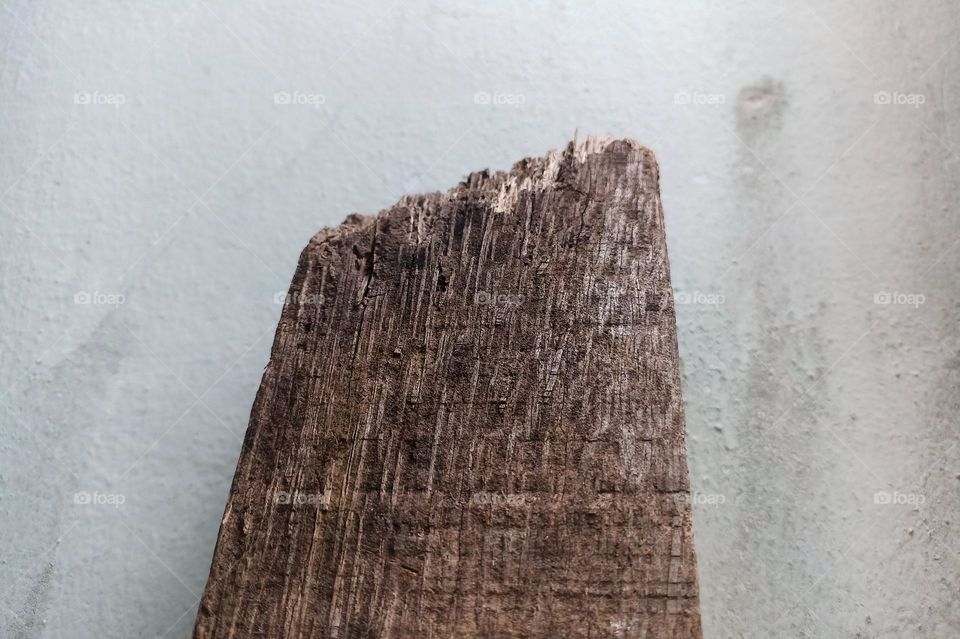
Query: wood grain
x,y
471,423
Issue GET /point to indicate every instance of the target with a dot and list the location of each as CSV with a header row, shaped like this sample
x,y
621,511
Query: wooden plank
x,y
471,423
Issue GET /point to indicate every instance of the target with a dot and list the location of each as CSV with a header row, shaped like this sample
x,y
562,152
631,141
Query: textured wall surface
x,y
163,164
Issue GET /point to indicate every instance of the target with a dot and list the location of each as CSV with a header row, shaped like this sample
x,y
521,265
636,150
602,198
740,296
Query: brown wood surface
x,y
471,423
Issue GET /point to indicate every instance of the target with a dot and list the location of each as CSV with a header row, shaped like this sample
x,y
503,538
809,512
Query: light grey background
x,y
155,191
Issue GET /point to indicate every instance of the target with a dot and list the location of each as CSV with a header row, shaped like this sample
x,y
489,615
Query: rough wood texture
x,y
471,422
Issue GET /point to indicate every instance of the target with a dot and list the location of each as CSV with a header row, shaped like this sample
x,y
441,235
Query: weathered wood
x,y
471,423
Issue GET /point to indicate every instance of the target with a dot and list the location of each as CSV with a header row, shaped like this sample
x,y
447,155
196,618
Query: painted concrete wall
x,y
162,164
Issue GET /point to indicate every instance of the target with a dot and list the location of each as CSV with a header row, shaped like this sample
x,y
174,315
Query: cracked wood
x,y
471,422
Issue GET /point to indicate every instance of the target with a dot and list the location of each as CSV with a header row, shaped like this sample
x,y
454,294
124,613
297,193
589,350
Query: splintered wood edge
x,y
528,174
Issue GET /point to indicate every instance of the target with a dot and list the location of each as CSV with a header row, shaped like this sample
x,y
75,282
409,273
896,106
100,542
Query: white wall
x,y
793,202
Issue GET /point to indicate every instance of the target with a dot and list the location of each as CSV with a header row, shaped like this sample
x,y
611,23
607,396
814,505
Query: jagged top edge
x,y
510,182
